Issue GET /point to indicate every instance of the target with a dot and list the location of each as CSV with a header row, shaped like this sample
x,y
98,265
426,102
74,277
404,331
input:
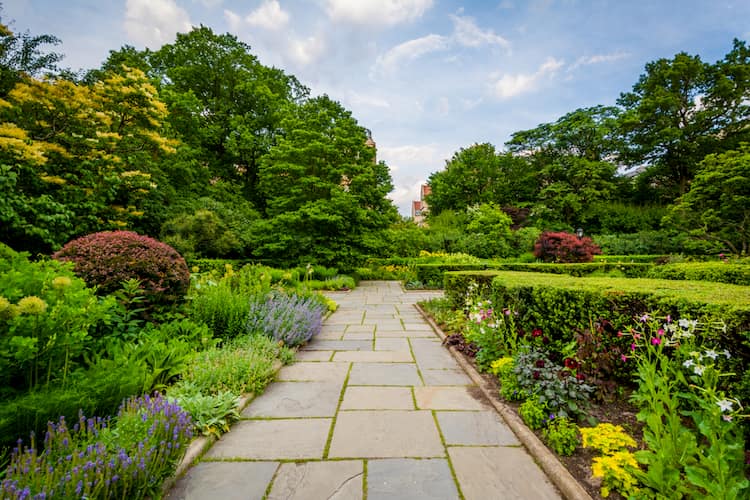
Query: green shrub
x,y
720,272
108,258
562,436
533,413
212,414
510,389
235,369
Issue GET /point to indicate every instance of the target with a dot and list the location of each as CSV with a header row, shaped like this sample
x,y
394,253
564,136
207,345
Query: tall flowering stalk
x,y
97,460
678,379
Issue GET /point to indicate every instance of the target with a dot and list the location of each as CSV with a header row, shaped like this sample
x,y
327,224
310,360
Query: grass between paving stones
x,y
447,455
419,372
327,447
364,479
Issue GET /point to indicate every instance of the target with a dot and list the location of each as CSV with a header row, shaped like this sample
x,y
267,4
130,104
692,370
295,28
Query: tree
x,y
325,195
487,233
94,150
587,133
666,123
224,103
22,57
479,174
717,206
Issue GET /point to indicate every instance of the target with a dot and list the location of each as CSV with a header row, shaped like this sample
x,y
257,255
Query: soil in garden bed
x,y
618,411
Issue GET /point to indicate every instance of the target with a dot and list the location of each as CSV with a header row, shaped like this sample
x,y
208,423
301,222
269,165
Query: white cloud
x,y
512,85
467,33
408,51
210,3
377,12
233,19
305,50
155,22
269,16
358,99
597,59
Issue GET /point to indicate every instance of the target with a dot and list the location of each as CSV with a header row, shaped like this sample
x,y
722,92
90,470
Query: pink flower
x,y
655,341
619,334
669,318
623,358
632,347
660,332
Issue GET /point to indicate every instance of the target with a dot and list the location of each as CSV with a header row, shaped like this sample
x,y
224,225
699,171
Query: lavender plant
x,y
97,460
289,318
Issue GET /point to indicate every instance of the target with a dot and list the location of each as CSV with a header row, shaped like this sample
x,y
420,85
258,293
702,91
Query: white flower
x,y
725,405
711,354
698,370
726,353
688,363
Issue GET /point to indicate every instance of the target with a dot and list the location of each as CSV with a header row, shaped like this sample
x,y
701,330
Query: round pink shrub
x,y
108,258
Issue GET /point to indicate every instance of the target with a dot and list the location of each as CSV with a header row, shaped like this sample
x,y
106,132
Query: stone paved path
x,y
374,408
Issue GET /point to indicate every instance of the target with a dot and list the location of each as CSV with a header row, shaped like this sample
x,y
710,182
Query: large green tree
x,y
325,194
717,206
480,174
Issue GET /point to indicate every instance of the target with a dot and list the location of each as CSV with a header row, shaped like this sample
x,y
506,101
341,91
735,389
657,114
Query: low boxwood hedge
x,y
721,272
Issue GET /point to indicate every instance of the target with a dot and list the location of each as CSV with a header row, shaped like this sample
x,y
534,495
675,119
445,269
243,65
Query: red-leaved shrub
x,y
108,258
565,247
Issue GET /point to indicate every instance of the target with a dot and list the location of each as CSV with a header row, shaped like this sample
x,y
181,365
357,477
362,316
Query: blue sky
x,y
426,76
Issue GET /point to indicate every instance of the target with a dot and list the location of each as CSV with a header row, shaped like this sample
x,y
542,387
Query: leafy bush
x,y
510,389
534,413
720,272
564,247
562,392
48,317
289,318
212,414
236,370
562,436
108,258
93,460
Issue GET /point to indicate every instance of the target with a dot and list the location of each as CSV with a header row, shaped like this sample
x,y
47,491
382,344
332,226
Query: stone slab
x,y
431,355
225,480
418,327
339,480
377,398
391,344
450,398
297,399
475,428
320,371
313,355
330,335
499,472
273,439
338,345
390,434
448,376
428,479
405,334
367,328
384,374
374,356
359,336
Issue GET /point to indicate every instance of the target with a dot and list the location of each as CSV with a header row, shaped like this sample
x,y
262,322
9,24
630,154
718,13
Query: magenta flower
x,y
632,347
655,341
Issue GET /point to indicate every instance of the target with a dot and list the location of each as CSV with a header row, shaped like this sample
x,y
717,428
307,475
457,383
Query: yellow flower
x,y
606,438
61,282
32,305
7,310
196,269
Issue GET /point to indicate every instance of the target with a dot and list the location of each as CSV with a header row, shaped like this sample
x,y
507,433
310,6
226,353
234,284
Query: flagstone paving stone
x,y
426,479
377,398
358,415
339,480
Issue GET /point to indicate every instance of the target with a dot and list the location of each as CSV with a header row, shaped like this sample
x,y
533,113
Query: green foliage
x,y
562,436
534,413
22,56
510,389
720,272
48,317
237,369
716,206
653,242
212,414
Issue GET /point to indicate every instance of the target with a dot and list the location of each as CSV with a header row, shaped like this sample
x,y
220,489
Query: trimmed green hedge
x,y
627,269
432,274
721,272
644,259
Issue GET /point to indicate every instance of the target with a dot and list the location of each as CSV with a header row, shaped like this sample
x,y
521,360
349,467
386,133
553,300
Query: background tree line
x,y
681,132
196,143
